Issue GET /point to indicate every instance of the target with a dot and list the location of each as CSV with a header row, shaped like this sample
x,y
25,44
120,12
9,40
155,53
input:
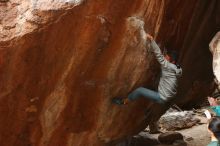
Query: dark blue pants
x,y
147,94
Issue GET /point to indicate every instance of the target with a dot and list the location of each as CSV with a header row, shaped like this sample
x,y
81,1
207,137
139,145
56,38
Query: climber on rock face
x,y
167,88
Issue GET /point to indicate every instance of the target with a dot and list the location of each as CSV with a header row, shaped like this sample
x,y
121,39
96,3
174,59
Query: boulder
x,y
178,120
139,141
170,137
179,143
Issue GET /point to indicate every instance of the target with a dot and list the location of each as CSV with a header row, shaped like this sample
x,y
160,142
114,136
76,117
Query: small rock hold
x,y
189,139
34,99
102,19
31,109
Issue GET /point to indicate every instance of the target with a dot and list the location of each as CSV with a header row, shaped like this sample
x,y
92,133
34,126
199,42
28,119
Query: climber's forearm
x,y
157,52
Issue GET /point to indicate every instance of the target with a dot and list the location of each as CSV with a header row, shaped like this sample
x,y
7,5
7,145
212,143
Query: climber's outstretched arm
x,y
156,50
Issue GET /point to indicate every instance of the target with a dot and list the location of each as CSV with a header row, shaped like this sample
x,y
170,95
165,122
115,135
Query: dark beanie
x,y
216,94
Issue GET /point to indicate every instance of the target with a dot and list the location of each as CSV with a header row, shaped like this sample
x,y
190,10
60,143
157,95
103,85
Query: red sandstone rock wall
x,y
195,55
61,62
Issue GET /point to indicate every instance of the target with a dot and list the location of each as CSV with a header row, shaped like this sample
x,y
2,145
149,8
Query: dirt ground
x,y
198,135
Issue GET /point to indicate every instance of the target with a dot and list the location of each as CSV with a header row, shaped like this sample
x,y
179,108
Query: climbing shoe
x,y
119,101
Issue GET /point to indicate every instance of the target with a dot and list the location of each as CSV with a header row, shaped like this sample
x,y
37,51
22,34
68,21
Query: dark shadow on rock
x,y
139,141
170,137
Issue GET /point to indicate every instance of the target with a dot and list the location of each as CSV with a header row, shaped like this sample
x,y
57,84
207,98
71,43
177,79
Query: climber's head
x,y
214,100
171,56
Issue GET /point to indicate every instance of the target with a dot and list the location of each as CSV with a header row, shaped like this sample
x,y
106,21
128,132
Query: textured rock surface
x,y
195,57
61,61
215,49
178,120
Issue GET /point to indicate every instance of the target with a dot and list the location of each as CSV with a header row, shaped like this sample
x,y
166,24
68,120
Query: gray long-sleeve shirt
x,y
169,77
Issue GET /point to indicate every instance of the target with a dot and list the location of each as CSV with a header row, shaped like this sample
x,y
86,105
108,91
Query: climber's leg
x,y
147,94
153,126
140,92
